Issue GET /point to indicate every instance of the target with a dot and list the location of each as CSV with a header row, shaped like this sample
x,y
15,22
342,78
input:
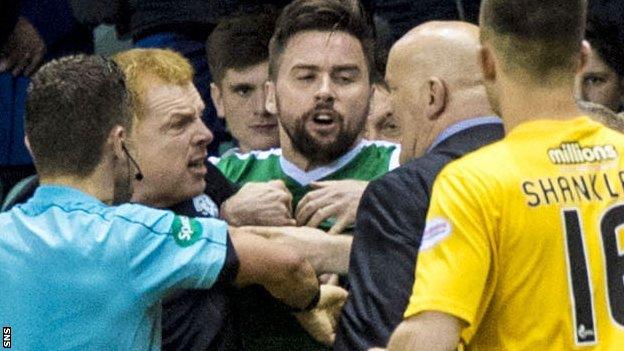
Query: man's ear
x,y
217,99
488,66
271,99
27,143
438,94
584,57
116,139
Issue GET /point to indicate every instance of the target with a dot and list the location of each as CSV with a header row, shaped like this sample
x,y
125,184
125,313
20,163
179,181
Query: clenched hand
x,y
263,204
335,198
321,321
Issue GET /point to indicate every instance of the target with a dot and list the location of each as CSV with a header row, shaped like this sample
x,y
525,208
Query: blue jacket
x,y
62,35
79,274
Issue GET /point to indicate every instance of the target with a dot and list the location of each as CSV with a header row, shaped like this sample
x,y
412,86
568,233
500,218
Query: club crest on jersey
x,y
204,205
573,153
436,230
186,231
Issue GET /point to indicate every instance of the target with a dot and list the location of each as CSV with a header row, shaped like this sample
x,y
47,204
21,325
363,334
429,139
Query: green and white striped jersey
x,y
366,161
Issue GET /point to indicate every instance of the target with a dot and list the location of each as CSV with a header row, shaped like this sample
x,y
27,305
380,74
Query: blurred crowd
x,y
37,31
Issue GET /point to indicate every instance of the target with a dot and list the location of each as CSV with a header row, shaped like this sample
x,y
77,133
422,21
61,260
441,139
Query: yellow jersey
x,y
525,240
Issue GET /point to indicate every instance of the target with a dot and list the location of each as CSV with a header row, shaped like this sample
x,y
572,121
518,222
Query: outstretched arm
x,y
285,274
326,252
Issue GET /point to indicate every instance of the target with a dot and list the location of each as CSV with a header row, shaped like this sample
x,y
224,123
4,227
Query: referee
x,y
78,273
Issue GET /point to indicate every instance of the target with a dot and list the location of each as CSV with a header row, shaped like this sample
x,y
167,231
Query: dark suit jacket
x,y
388,231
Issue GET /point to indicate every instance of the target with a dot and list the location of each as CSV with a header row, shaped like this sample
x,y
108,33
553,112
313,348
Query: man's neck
x,y
243,149
296,158
302,162
145,199
523,104
94,185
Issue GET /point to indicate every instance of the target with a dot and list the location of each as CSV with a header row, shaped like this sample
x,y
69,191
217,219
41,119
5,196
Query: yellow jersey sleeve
x,y
454,261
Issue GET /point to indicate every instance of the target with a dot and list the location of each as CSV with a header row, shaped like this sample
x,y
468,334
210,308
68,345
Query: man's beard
x,y
313,149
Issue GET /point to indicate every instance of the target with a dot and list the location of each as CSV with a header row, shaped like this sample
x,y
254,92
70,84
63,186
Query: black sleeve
x,y
9,12
218,187
217,190
230,267
198,319
388,230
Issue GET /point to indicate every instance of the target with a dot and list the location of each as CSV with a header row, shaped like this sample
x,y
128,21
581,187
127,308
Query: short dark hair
x,y
73,103
323,15
239,42
541,38
605,33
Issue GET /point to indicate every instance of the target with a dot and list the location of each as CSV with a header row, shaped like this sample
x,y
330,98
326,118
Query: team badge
x,y
204,205
186,231
435,231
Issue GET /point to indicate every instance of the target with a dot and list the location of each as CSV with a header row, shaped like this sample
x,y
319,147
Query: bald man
x,y
438,95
